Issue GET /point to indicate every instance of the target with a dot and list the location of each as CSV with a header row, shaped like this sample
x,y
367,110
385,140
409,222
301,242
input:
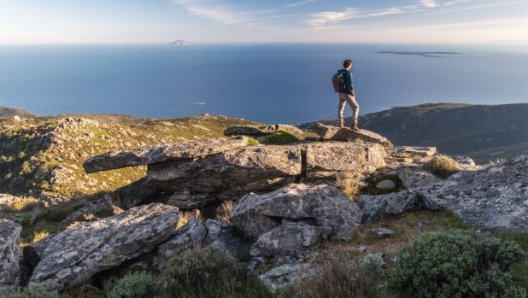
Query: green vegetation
x,y
279,137
137,285
29,292
342,276
442,165
457,263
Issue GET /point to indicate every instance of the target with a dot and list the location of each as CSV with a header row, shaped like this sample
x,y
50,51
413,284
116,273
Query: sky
x,y
212,21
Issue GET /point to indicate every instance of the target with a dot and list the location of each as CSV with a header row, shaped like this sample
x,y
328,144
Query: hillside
x,y
43,156
9,113
483,132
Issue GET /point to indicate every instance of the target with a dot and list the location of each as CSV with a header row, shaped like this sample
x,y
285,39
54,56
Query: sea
x,y
271,83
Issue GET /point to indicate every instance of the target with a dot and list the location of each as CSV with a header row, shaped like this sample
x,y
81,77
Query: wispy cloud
x,y
322,18
389,11
429,3
299,3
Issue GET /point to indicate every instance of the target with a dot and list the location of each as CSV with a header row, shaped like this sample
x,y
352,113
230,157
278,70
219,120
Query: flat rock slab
x,y
327,158
189,236
411,152
153,154
328,206
285,275
245,169
75,255
9,253
334,133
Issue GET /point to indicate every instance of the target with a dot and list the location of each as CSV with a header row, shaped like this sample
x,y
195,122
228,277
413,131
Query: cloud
x,y
299,3
429,3
389,11
319,19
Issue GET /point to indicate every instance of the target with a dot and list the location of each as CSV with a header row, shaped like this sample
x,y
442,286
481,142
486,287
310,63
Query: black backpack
x,y
338,81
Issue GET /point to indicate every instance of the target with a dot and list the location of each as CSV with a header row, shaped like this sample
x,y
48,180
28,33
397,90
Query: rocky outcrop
x,y
187,237
326,205
104,207
496,197
185,150
333,133
73,256
9,253
221,235
328,158
139,192
230,174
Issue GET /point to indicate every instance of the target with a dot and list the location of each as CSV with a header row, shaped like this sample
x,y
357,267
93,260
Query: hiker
x,y
347,94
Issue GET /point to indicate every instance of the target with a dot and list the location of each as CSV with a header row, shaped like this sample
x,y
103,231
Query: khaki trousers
x,y
345,98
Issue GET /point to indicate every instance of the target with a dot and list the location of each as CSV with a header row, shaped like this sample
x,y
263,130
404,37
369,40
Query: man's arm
x,y
349,83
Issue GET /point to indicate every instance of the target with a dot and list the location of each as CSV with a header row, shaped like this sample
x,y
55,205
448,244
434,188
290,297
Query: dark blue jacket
x,y
349,80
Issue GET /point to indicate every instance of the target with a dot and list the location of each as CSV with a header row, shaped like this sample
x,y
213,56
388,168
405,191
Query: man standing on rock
x,y
347,94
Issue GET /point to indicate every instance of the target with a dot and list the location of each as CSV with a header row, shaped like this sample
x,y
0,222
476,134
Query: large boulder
x,y
341,134
140,192
328,158
187,150
285,275
73,256
9,253
231,173
496,197
328,206
222,236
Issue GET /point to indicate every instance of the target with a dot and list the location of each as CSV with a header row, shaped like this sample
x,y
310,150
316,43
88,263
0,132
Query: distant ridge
x,y
180,42
483,132
10,113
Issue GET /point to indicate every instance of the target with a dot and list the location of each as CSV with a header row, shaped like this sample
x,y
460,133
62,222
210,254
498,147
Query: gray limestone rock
x,y
285,275
9,253
73,256
104,207
222,236
386,185
235,172
415,177
496,197
287,239
378,207
154,154
327,205
328,158
333,133
187,237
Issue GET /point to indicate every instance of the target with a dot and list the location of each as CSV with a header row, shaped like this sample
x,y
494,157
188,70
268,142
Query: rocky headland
x,y
88,199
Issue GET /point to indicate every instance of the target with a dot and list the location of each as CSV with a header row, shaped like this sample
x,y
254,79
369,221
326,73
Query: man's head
x,y
347,64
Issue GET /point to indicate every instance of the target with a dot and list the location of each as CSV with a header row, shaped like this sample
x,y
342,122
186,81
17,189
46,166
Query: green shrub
x,y
279,137
29,292
206,272
457,263
342,277
137,285
442,165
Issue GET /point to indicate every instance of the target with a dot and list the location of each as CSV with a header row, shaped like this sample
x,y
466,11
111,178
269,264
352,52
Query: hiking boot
x,y
354,127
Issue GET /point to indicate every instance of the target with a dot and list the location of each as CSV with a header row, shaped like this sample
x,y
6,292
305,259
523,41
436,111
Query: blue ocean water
x,y
273,83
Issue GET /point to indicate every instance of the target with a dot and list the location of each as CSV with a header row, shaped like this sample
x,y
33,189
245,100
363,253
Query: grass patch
x,y
224,210
279,137
349,184
442,165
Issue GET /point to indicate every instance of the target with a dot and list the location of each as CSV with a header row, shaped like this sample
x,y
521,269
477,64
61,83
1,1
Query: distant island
x,y
180,42
423,54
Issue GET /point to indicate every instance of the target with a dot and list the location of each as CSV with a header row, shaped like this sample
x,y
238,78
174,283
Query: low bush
x,y
341,276
29,292
457,263
279,137
137,285
442,165
206,272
